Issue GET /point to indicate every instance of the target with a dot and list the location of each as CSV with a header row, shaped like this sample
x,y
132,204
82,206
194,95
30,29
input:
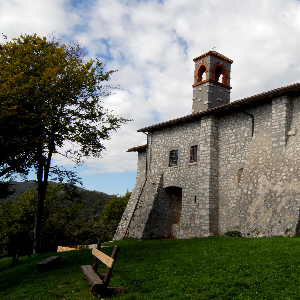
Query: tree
x,y
52,96
112,213
5,189
17,119
16,226
104,224
62,206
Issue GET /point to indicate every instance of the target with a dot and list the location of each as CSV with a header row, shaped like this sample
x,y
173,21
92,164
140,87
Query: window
x,y
193,154
219,74
173,159
202,74
240,173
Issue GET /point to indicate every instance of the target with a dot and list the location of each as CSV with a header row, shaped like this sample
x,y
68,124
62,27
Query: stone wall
x,y
124,224
266,200
242,180
155,213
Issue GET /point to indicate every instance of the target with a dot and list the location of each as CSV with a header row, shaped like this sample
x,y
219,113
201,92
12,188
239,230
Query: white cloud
x,y
36,16
152,44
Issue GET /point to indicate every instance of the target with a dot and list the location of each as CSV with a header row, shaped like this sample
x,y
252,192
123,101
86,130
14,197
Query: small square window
x,y
193,154
173,159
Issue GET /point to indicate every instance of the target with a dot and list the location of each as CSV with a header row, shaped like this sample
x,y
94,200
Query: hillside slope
x,y
93,201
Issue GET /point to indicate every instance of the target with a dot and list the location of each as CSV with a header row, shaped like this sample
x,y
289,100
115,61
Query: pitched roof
x,y
237,105
138,149
213,53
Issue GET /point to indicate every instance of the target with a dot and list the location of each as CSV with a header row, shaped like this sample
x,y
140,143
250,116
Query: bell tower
x,y
212,81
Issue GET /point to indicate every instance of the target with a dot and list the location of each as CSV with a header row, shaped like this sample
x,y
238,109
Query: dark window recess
x,y
240,173
219,74
202,73
193,154
173,160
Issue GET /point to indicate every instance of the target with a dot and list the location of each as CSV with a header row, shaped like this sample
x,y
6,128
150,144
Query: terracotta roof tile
x,y
138,149
224,107
213,53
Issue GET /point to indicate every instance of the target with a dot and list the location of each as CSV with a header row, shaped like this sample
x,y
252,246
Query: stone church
x,y
227,166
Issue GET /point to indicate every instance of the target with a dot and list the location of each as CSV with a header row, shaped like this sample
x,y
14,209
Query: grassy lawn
x,y
207,268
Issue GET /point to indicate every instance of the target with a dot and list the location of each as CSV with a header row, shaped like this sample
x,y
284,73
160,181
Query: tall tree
x,y
62,206
50,99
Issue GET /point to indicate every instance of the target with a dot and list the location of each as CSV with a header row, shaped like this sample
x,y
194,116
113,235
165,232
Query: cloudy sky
x,y
152,45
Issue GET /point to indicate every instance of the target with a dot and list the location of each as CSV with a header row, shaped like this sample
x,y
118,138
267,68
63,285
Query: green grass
x,y
207,268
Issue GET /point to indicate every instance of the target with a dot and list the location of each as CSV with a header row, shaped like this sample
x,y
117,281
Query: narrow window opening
x,y
240,173
219,74
193,153
173,158
195,199
202,74
221,78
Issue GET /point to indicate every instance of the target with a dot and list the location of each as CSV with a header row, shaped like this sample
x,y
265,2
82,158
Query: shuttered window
x,y
173,159
193,154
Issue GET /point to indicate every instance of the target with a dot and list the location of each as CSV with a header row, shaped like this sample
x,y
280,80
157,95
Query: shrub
x,y
233,233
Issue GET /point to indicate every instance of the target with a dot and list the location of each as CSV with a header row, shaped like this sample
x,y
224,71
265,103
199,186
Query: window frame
x,y
193,154
173,158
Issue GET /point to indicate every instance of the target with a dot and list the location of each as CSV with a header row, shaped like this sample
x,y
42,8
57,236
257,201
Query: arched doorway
x,y
174,195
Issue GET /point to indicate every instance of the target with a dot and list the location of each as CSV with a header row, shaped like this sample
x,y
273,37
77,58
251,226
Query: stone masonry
x,y
245,176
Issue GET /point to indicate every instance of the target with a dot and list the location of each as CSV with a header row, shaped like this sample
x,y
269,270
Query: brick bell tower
x,y
212,81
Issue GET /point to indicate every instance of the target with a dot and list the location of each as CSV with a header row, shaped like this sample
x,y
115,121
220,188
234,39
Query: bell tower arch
x,y
211,81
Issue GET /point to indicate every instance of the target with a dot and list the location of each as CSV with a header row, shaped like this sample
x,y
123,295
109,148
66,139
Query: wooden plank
x,y
96,260
49,260
103,257
60,249
48,264
90,275
93,279
109,269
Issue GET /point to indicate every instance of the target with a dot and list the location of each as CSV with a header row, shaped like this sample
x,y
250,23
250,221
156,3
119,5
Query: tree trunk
x,y
42,178
42,188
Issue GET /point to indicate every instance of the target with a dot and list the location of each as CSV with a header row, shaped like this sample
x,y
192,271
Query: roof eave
x,y
225,108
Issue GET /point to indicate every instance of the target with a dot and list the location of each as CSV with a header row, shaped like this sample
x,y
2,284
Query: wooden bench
x,y
99,281
48,264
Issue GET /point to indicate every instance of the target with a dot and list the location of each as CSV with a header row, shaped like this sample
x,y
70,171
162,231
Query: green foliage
x,y
112,213
287,230
50,98
104,224
49,95
62,205
233,233
5,189
16,226
60,213
92,201
68,217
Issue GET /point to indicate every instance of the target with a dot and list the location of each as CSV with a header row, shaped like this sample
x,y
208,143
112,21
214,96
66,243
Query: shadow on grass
x,y
204,268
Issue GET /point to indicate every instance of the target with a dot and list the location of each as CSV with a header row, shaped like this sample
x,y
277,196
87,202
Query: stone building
x,y
227,166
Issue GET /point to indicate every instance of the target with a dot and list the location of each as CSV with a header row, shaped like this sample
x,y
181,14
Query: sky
x,y
152,45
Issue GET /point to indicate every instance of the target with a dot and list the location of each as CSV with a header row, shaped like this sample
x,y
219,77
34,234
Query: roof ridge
x,y
213,53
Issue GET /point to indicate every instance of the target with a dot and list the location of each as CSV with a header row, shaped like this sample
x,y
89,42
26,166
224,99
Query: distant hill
x,y
93,201
19,188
